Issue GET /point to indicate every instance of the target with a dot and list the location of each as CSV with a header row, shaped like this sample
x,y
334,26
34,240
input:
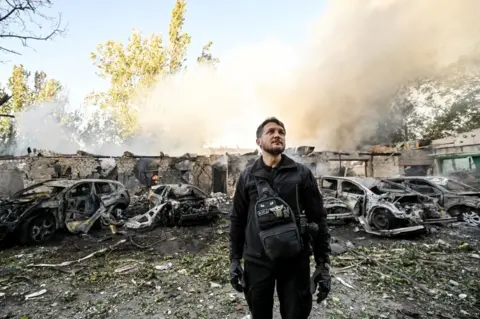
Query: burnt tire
x,y
38,229
382,219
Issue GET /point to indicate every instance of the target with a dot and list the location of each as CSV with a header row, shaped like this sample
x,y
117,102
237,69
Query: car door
x,y
106,192
80,201
353,195
329,187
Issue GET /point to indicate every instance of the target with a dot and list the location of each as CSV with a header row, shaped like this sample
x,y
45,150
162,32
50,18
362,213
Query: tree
x,y
206,57
137,66
461,116
22,94
20,18
436,107
178,41
18,85
127,68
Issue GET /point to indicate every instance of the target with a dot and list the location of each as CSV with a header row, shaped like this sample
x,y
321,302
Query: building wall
x,y
136,172
132,172
386,166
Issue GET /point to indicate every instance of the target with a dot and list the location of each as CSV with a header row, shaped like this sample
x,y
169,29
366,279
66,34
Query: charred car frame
x,y
35,213
176,205
380,206
458,199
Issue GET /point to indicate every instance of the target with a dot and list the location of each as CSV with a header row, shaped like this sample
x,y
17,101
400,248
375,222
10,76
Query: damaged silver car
x,y
35,213
458,199
380,206
176,205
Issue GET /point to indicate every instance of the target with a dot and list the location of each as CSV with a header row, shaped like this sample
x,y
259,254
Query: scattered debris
x,y
35,294
413,282
184,274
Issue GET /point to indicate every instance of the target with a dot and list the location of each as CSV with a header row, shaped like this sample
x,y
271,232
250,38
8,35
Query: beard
x,y
274,150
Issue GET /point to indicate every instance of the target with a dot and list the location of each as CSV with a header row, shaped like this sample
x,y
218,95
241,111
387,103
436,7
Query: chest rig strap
x,y
264,189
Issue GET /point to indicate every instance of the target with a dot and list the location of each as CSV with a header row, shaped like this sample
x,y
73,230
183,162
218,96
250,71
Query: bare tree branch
x,y
5,99
9,51
18,17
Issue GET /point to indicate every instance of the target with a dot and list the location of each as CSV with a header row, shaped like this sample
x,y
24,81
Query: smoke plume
x,y
329,91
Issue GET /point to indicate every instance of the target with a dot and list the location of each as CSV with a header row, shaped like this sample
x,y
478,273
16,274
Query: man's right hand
x,y
236,275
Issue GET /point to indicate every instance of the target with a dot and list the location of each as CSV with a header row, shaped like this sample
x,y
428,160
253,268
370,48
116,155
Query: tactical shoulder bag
x,y
278,229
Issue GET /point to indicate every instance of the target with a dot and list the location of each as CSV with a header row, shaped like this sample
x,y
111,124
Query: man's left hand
x,y
321,279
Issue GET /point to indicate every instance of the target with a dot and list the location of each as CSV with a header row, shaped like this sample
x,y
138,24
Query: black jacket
x,y
295,184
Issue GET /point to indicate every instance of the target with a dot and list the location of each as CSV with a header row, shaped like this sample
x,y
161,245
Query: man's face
x,y
273,139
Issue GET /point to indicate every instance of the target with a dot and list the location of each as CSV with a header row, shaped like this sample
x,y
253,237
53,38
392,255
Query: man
x,y
269,192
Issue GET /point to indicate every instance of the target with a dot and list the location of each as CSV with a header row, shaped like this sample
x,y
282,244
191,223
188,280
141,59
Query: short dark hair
x,y
265,122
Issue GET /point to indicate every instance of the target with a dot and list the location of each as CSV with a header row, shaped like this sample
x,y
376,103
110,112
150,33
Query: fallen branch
x,y
67,263
343,282
340,270
413,282
435,262
25,278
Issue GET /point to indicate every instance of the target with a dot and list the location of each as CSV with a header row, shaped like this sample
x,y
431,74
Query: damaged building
x,y
80,190
140,192
216,173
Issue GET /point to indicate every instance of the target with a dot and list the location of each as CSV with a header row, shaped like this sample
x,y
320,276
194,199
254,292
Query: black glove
x,y
236,275
321,280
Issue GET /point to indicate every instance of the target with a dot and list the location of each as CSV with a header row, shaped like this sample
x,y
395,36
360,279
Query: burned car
x,y
35,213
458,199
176,205
382,207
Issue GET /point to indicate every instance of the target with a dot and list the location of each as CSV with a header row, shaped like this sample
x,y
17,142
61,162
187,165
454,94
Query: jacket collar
x,y
258,167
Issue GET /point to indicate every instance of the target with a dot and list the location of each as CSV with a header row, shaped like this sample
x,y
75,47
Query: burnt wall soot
x,y
209,173
214,173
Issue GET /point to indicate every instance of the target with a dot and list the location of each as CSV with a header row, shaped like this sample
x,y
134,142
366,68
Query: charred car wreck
x,y
176,205
380,206
35,213
458,199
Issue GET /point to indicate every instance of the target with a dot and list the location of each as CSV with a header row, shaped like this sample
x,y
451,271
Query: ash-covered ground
x,y
183,273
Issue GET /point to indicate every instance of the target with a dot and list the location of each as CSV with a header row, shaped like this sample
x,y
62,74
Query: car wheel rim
x,y
42,229
471,218
380,221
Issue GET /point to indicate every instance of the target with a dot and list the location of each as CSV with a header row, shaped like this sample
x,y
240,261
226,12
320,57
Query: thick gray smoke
x,y
39,128
330,91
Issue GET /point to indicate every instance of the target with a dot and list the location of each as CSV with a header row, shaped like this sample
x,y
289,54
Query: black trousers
x,y
293,289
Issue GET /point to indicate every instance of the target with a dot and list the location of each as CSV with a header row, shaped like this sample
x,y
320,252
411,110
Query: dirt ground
x,y
183,273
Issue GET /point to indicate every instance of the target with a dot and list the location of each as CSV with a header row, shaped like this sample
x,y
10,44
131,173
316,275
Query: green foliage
x,y
24,93
433,108
206,56
178,41
460,117
138,65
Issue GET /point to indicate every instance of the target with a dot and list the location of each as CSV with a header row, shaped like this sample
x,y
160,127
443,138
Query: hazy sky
x,y
226,23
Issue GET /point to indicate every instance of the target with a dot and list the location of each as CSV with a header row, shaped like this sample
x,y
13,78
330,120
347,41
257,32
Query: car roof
x,y
71,182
